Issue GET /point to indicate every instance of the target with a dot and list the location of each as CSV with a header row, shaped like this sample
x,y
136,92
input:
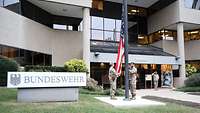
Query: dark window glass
x,y
38,58
136,11
97,4
1,50
48,60
25,57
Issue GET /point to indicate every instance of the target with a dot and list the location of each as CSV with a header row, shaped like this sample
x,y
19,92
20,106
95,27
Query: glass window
x,y
10,2
117,36
59,27
168,35
109,24
25,57
188,3
142,39
109,36
194,35
70,28
1,3
118,25
142,12
97,4
97,23
187,36
194,4
97,34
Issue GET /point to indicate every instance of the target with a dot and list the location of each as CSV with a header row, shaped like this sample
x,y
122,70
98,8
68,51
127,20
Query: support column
x,y
86,37
181,53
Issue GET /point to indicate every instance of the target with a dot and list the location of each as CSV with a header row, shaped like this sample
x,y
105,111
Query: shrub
x,y
92,85
6,65
193,81
75,65
119,92
32,68
190,70
189,89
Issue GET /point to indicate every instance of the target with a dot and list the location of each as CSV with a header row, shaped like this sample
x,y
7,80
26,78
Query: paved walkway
x,y
165,95
170,94
139,102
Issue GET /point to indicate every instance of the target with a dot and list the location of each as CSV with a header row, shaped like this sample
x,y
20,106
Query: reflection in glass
x,y
109,36
118,25
97,4
97,34
194,4
25,57
1,3
59,27
109,24
188,3
10,2
97,22
117,36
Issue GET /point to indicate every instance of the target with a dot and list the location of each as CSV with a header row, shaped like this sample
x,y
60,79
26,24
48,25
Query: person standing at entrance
x,y
155,80
113,79
133,77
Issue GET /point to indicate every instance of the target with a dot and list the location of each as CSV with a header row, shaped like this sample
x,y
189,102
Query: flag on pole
x,y
120,55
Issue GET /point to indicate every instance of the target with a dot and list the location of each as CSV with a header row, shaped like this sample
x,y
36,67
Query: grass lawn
x,y
86,104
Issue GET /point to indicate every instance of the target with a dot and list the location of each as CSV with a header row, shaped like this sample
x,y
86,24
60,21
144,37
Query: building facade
x,y
163,34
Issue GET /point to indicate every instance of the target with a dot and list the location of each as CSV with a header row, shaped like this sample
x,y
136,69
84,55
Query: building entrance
x,y
99,72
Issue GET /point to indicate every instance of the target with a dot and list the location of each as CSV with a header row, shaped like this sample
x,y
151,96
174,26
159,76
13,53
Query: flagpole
x,y
126,49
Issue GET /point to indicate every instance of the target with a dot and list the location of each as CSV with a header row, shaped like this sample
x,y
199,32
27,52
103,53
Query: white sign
x,y
148,77
45,79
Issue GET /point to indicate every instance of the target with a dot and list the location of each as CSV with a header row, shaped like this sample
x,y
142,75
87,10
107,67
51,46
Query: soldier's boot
x,y
113,98
133,96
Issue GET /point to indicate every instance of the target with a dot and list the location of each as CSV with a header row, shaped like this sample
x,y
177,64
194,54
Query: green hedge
x,y
189,89
37,68
119,92
6,65
73,65
193,81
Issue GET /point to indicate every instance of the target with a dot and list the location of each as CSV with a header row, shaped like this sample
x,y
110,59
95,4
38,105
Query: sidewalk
x,y
150,97
139,102
169,94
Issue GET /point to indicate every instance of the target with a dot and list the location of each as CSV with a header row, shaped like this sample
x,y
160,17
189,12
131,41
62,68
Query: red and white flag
x,y
120,55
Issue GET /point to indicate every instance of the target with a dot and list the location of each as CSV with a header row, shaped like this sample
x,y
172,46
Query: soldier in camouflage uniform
x,y
113,79
132,77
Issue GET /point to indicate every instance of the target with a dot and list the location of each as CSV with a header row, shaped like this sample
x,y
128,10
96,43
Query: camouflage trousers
x,y
133,87
113,87
155,84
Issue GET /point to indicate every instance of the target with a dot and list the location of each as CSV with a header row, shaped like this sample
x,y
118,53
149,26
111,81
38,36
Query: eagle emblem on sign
x,y
15,79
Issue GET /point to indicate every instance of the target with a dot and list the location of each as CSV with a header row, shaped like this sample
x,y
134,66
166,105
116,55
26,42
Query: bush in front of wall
x,y
75,65
6,65
92,85
193,80
190,70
